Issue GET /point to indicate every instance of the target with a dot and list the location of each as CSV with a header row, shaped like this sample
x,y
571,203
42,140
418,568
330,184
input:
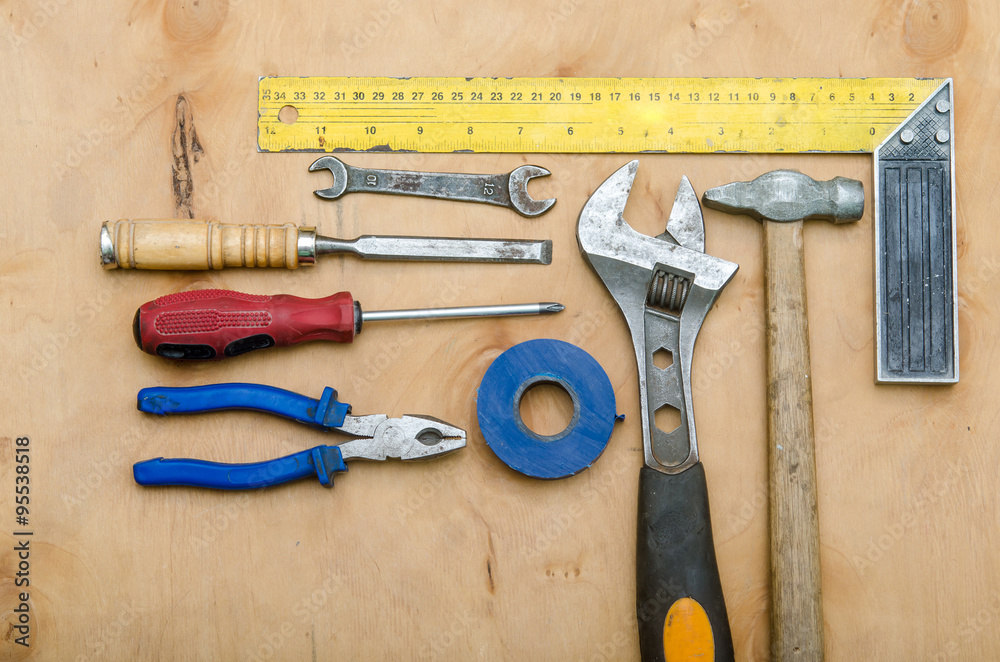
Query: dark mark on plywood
x,y
184,147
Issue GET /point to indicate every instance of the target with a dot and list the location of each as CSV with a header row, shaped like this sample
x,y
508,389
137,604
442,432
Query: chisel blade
x,y
440,249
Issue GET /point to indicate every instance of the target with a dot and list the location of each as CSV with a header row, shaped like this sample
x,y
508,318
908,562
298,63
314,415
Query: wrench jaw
x,y
517,187
339,171
664,291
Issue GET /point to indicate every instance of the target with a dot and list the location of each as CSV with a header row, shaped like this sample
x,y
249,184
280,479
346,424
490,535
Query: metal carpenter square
x,y
916,290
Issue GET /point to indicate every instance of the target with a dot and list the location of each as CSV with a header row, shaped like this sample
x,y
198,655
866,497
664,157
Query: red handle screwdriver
x,y
204,325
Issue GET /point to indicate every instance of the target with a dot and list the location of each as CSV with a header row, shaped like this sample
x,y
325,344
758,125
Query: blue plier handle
x,y
324,461
326,413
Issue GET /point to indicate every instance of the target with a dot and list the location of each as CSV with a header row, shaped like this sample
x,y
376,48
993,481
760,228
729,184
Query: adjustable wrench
x,y
665,286
507,190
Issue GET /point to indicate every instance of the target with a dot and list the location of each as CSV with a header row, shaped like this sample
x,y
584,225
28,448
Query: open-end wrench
x,y
507,190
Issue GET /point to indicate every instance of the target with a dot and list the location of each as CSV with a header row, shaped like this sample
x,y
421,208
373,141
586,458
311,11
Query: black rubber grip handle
x,y
675,559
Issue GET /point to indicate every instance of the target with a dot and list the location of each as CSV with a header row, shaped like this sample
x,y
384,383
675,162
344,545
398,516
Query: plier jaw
x,y
410,437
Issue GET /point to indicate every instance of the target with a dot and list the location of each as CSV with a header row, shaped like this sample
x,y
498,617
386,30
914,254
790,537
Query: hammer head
x,y
789,195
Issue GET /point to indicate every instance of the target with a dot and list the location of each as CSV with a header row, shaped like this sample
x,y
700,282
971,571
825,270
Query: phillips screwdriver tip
x,y
551,307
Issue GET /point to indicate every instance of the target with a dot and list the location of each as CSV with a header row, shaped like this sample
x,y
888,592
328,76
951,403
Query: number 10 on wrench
x,y
506,190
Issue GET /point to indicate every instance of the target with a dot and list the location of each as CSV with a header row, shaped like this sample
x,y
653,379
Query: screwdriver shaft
x,y
462,311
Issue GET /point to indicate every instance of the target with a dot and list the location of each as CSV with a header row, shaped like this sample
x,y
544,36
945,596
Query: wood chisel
x,y
907,123
203,325
194,245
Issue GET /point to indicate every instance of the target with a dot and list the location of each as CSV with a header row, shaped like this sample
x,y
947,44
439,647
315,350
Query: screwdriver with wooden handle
x,y
205,325
193,245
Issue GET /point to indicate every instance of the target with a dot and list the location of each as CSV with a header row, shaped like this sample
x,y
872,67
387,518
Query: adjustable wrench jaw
x,y
664,291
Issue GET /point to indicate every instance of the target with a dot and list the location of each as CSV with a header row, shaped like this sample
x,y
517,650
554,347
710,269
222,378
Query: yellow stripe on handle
x,y
194,245
687,633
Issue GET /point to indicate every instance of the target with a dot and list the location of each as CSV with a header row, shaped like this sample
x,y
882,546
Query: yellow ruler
x,y
584,115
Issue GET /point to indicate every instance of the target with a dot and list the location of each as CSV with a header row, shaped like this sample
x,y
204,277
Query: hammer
x,y
782,199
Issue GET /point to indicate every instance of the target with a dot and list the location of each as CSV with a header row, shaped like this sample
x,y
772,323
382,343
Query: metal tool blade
x,y
440,249
686,225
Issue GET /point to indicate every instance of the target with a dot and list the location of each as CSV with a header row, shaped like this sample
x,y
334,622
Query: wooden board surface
x,y
148,109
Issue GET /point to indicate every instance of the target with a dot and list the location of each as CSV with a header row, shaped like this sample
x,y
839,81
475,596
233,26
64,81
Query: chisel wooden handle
x,y
796,611
191,245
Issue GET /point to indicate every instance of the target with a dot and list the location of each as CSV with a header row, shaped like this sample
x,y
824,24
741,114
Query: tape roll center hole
x,y
546,409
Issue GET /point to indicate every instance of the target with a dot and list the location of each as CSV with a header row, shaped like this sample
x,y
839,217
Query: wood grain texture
x,y
460,558
796,587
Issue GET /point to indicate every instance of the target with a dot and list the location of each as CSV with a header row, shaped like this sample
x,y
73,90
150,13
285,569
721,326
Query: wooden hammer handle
x,y
189,244
797,608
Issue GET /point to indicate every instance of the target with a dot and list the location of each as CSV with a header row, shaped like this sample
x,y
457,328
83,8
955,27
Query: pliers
x,y
378,436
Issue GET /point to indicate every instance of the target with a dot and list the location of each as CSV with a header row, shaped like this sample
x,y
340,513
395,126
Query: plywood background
x,y
147,108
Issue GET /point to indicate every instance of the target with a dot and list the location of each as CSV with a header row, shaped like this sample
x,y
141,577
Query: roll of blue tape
x,y
546,361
